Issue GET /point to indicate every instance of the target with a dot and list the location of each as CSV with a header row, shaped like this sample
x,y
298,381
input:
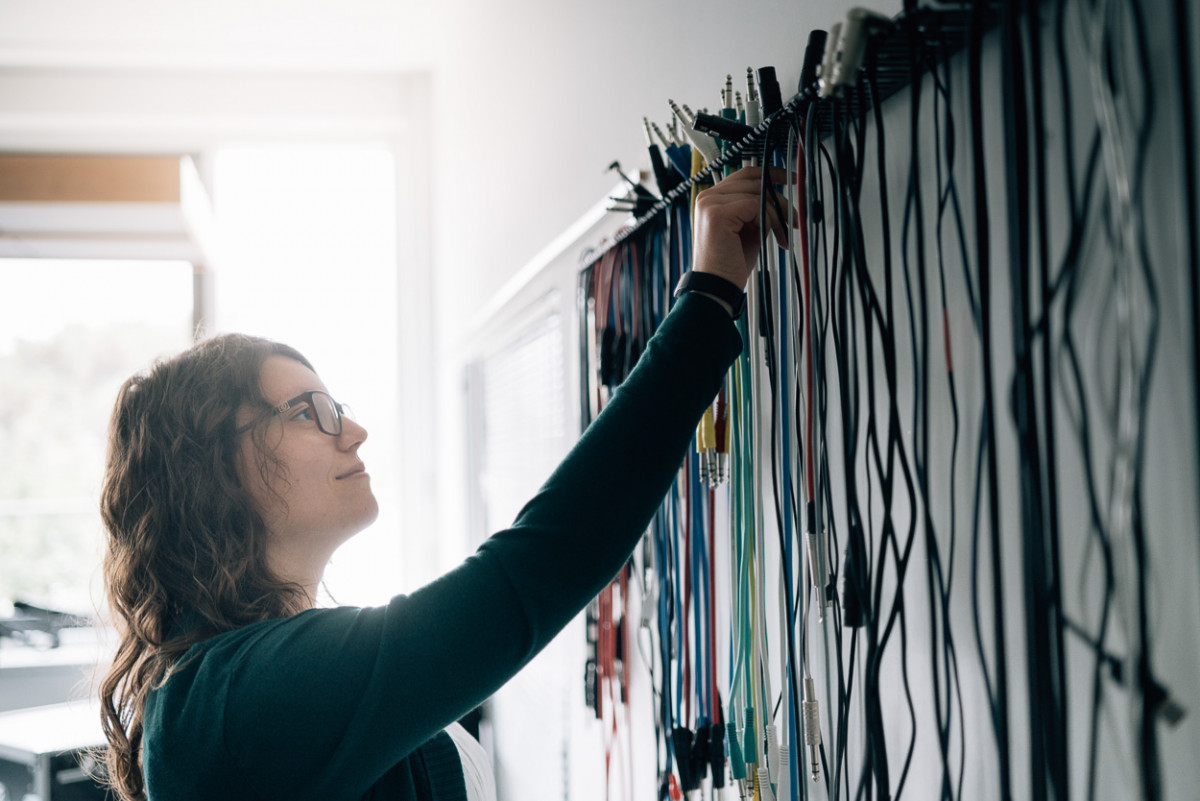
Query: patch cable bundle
x,y
937,433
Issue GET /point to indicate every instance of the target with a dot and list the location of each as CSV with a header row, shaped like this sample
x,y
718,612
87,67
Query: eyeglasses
x,y
327,412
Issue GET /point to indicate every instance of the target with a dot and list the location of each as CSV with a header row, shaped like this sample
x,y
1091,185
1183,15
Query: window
x,y
308,257
70,333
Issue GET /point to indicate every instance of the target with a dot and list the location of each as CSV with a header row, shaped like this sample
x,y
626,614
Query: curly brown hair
x,y
186,547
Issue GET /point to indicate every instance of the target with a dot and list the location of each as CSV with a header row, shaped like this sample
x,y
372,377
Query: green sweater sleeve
x,y
321,705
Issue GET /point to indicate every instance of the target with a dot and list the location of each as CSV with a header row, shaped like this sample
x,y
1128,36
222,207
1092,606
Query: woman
x,y
233,476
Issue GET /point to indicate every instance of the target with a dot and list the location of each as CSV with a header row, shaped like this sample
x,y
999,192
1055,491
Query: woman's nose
x,y
352,433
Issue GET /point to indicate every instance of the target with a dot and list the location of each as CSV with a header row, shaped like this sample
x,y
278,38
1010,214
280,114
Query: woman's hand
x,y
727,225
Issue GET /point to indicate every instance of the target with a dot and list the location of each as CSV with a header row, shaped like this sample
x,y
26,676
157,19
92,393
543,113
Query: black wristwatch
x,y
716,286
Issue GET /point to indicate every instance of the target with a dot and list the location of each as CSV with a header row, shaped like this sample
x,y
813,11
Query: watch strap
x,y
714,285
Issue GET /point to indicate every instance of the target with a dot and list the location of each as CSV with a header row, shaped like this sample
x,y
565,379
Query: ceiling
x,y
302,35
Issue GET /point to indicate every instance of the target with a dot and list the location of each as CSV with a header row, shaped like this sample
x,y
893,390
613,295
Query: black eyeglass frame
x,y
339,410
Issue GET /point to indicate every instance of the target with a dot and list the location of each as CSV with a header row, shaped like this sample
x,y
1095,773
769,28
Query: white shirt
x,y
477,767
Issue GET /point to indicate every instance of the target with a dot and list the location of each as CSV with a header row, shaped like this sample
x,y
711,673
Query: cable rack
x,y
939,33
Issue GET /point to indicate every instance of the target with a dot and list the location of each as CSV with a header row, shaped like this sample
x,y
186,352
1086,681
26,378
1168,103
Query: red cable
x,y
637,295
802,210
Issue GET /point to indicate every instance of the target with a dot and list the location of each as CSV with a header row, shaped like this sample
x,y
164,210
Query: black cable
x,y
1149,750
942,577
858,577
1072,269
1187,137
1052,614
999,691
1047,746
845,362
821,165
768,189
914,216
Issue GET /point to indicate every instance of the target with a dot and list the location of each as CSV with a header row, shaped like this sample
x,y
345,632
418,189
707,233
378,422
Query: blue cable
x,y
680,617
699,584
660,548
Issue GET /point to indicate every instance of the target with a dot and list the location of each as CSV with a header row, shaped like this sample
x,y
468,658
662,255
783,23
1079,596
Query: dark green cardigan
x,y
348,703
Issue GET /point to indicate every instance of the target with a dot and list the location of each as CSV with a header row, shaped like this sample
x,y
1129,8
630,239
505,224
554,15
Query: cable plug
x,y
643,198
772,753
700,750
702,142
681,741
765,791
737,765
818,571
860,25
1158,697
812,728
680,159
691,132
749,739
768,87
706,444
716,754
828,59
783,787
664,177
591,683
723,128
650,592
856,597
673,129
813,53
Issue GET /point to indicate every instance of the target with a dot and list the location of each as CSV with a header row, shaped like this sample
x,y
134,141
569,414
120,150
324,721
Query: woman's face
x,y
320,496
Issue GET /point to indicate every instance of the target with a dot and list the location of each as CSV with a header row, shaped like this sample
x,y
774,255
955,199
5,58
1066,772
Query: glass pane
x,y
70,333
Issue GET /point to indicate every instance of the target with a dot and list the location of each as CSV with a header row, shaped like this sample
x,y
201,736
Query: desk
x,y
40,753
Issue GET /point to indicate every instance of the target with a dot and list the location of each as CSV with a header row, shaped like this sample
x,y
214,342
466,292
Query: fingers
x,y
748,182
727,225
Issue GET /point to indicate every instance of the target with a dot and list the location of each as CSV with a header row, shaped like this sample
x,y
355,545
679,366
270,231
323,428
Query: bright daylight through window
x,y
70,333
307,257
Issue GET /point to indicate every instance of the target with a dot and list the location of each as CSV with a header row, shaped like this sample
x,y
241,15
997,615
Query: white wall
x,y
533,99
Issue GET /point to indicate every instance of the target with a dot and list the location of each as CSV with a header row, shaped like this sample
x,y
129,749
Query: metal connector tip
x,y
658,132
684,114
